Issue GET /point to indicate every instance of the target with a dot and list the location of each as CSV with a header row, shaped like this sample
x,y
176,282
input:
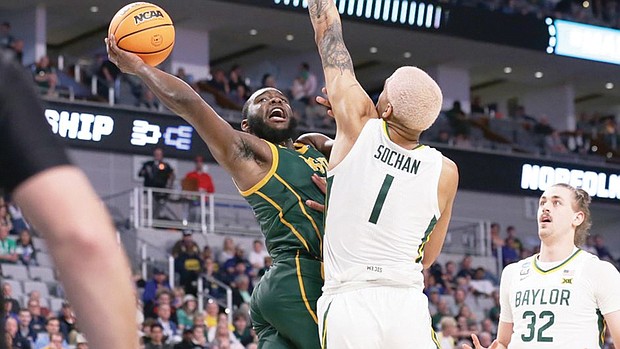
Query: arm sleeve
x,y
27,144
505,314
606,282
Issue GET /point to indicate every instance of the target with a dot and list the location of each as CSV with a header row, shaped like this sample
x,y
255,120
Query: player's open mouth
x,y
545,219
277,115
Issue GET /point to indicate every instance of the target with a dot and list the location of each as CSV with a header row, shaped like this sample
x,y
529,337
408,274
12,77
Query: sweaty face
x,y
270,116
555,212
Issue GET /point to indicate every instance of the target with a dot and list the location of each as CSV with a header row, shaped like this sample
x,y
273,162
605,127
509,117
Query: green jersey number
x,y
376,210
538,335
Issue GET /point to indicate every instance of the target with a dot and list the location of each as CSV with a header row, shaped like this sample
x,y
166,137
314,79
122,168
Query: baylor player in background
x,y
563,297
275,176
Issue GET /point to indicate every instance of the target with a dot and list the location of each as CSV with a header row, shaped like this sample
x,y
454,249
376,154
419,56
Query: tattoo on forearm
x,y
333,50
317,8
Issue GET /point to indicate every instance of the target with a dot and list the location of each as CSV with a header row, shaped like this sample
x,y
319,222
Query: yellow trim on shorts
x,y
302,206
274,165
556,268
434,337
302,289
284,221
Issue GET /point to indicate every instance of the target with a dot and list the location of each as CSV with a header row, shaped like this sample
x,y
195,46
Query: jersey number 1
x,y
385,187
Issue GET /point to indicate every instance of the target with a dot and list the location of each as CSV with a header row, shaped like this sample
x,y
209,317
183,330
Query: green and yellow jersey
x,y
278,201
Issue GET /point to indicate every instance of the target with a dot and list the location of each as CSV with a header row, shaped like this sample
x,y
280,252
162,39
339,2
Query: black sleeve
x,y
27,144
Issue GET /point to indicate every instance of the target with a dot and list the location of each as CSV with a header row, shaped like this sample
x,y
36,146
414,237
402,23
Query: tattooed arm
x,y
351,105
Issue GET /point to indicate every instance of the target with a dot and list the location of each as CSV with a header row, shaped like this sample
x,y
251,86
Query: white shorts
x,y
376,318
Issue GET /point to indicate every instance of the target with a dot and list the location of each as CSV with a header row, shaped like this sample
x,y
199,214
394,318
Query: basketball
x,y
144,29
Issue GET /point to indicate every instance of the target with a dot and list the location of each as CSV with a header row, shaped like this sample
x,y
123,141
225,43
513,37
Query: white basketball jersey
x,y
381,208
561,307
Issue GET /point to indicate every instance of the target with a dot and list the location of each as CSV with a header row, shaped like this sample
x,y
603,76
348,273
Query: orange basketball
x,y
144,29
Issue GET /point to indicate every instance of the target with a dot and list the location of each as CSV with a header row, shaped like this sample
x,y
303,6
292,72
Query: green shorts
x,y
283,306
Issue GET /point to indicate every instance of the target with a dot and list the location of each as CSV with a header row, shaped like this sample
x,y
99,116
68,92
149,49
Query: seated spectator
x,y
11,328
18,223
52,335
268,80
164,297
45,75
467,270
443,310
25,249
227,252
38,320
189,266
243,332
188,78
5,216
67,319
510,252
257,255
263,270
476,106
239,90
107,73
25,328
511,232
158,282
446,336
185,245
178,295
56,341
170,329
212,313
157,336
7,295
458,120
241,290
222,335
7,245
185,315
219,81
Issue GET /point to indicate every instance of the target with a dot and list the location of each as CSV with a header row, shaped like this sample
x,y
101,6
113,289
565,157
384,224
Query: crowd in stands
x,y
595,137
597,12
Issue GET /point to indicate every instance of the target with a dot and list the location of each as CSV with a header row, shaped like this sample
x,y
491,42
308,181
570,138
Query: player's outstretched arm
x,y
225,143
61,203
448,184
351,105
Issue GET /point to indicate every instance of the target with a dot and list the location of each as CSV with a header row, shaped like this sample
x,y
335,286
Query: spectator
x,y
11,329
185,245
157,174
5,216
609,133
7,245
198,180
26,330
181,74
309,82
163,297
220,82
185,315
222,335
56,342
81,342
7,295
157,338
447,335
268,80
212,313
51,335
242,331
227,252
158,283
467,270
38,320
18,222
189,265
458,120
476,106
267,263
199,338
443,309
241,290
257,255
6,38
67,319
577,142
511,232
25,249
45,75
433,300
239,90
107,73
510,251
171,332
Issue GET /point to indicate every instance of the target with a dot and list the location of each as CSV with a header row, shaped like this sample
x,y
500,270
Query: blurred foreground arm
x,y
61,203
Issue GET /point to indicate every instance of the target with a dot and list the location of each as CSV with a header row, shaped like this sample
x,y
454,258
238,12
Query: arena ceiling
x,y
71,24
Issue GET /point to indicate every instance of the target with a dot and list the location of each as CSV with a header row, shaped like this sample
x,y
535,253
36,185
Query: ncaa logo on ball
x,y
157,40
146,16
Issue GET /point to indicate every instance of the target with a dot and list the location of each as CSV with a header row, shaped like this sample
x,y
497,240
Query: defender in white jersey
x,y
389,202
563,297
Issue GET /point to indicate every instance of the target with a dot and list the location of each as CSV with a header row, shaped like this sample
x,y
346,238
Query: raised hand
x,y
494,345
322,184
127,62
325,102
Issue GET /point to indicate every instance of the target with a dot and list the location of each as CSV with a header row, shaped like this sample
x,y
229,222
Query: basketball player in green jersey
x,y
274,174
563,297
